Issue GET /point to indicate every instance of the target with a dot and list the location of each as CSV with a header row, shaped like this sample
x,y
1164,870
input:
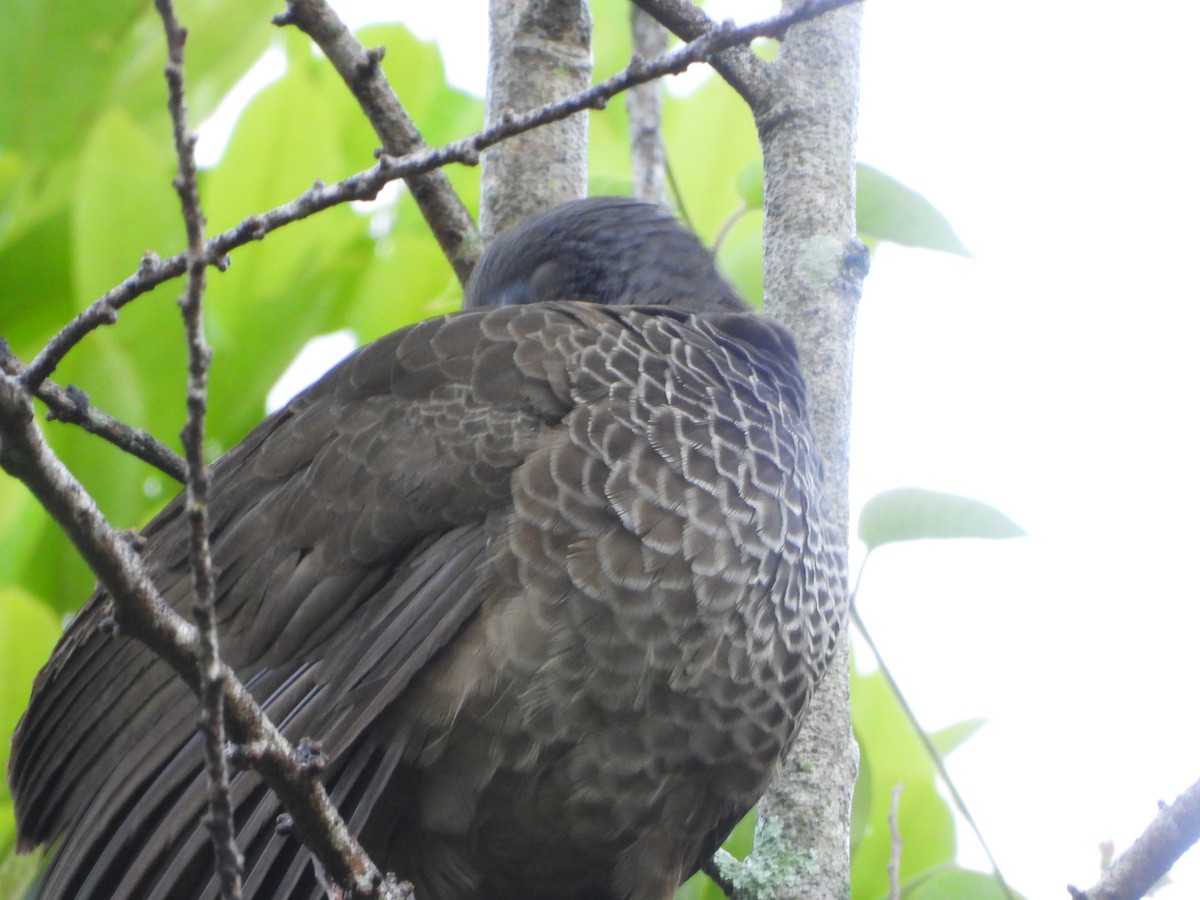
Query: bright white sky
x,y
1053,376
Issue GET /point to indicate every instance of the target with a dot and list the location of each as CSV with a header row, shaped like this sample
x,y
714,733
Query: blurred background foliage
x,y
86,164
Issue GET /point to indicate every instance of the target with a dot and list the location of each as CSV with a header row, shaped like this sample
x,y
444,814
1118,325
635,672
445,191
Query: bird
x,y
551,578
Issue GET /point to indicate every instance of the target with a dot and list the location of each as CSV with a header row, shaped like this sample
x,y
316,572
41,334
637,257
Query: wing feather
x,y
361,508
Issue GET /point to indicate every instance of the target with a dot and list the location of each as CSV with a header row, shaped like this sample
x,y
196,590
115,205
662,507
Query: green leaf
x,y
57,61
124,204
739,844
749,185
609,186
707,180
34,192
893,754
35,284
225,38
740,256
612,41
912,514
610,169
18,873
741,840
415,71
21,517
953,883
288,286
408,279
889,211
28,632
954,736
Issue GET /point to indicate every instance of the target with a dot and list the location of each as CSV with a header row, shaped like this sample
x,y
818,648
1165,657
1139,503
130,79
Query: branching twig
x,y
361,70
745,72
1173,831
70,404
366,185
212,708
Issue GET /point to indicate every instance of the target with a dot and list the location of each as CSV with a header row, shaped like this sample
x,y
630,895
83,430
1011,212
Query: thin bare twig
x,y
360,69
70,404
212,707
366,185
893,868
1175,829
727,226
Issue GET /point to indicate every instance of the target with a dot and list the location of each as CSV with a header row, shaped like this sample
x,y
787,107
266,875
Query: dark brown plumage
x,y
550,579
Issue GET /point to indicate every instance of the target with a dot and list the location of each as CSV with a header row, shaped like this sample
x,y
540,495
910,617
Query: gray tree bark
x,y
540,51
644,104
813,267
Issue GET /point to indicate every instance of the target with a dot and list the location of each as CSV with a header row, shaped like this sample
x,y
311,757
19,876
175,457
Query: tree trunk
x,y
813,266
540,52
644,104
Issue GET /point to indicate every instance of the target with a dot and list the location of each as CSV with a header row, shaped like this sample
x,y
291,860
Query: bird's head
x,y
611,250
